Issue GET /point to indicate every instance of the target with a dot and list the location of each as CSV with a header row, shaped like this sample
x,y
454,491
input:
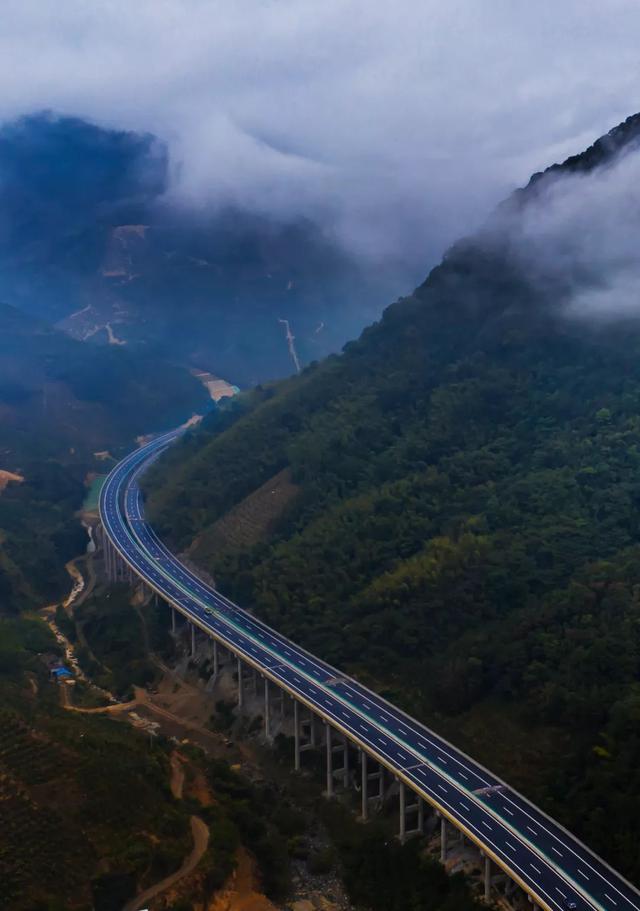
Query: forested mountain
x,y
451,507
61,402
91,239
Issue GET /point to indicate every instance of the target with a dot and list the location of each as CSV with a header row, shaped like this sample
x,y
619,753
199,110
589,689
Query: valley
x,y
314,597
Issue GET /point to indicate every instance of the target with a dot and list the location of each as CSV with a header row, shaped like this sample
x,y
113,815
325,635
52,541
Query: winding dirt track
x,y
200,833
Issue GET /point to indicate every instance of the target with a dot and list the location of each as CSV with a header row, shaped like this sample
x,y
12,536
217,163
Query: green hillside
x,y
465,532
61,401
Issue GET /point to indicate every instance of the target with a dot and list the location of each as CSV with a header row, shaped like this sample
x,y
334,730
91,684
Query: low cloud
x,y
398,126
581,233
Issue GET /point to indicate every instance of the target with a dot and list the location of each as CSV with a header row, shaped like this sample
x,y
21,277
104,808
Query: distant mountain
x,y
88,239
62,403
62,398
452,507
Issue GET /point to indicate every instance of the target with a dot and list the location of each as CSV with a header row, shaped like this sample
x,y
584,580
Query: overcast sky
x,y
398,124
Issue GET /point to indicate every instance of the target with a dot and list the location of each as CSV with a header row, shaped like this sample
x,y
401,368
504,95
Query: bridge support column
x,y
173,620
345,762
329,748
240,689
296,734
408,811
443,839
267,719
307,725
364,786
216,659
343,749
193,639
487,878
108,570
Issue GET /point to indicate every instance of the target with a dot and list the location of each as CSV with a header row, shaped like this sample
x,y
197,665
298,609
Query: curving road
x,y
554,867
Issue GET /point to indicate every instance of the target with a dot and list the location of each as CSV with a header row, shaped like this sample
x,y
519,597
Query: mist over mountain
x,y
90,240
450,508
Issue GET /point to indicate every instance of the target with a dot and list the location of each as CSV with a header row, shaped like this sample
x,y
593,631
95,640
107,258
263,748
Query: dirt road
x,y
200,833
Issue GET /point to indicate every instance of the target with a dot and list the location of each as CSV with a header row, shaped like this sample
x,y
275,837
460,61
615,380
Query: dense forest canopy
x,y
465,530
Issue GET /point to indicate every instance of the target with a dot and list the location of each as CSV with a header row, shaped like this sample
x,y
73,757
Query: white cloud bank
x,y
581,232
397,124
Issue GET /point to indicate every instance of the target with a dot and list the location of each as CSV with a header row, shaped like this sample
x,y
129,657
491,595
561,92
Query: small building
x,y
61,674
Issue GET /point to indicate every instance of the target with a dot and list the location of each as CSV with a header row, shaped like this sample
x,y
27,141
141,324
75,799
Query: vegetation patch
x,y
251,520
118,655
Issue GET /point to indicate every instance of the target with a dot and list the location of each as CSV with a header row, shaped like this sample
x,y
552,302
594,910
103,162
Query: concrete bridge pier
x,y
107,556
216,659
267,710
487,878
329,751
240,685
304,732
345,762
219,656
366,778
113,561
115,564
407,811
296,734
308,727
364,795
334,748
444,833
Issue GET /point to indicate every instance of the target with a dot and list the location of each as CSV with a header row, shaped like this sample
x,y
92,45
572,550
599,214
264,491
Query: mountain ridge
x,y
466,520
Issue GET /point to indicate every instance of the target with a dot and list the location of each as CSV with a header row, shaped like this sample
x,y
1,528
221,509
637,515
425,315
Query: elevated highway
x,y
555,869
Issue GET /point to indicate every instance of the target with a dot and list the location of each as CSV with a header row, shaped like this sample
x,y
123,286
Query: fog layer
x,y
397,126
